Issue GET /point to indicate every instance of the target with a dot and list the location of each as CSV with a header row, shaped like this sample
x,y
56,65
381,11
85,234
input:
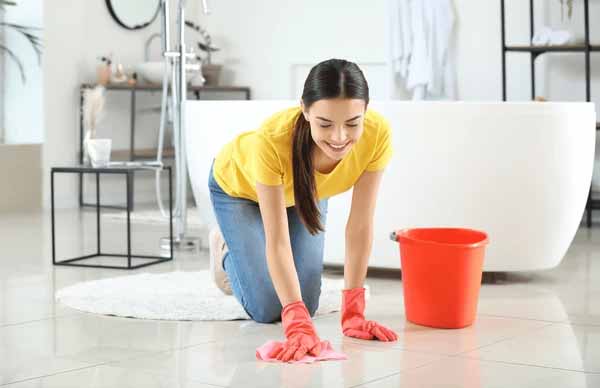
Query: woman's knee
x,y
264,306
270,311
265,314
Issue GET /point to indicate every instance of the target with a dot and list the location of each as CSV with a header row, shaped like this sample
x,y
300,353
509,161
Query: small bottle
x,y
104,71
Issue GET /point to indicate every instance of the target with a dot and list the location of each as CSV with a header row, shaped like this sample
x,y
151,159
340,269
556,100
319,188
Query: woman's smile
x,y
338,148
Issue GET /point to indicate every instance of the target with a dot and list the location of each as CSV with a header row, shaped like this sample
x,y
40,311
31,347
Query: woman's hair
x,y
333,78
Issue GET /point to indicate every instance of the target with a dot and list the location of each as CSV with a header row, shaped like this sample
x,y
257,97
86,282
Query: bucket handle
x,y
394,236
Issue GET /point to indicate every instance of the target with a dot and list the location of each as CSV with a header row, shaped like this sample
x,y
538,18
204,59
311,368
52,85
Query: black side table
x,y
114,169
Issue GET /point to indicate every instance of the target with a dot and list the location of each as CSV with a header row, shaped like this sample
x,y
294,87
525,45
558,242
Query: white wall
x,y
266,44
23,108
2,73
269,45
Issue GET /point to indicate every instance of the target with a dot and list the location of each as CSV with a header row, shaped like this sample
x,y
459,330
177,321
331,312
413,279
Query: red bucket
x,y
441,274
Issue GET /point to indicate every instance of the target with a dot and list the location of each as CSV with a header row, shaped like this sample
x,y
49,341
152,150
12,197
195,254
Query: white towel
x,y
548,36
401,36
420,55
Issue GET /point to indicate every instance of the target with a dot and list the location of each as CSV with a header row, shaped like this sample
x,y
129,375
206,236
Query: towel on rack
x,y
548,36
421,42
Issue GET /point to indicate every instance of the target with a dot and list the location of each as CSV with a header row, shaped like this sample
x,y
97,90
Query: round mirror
x,y
133,14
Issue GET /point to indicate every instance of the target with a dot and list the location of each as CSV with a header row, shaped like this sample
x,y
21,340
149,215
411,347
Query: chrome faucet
x,y
176,64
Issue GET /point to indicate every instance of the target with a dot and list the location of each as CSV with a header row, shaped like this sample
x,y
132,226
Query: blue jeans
x,y
246,264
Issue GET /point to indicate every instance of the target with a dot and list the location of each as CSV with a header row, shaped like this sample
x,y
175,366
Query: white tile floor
x,y
533,329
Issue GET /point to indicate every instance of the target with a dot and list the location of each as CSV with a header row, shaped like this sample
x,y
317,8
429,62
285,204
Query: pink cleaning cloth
x,y
327,353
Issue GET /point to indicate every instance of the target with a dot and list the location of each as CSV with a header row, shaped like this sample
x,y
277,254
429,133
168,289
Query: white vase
x,y
198,79
98,151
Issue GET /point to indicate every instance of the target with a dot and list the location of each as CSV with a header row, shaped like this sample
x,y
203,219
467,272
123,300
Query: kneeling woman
x,y
269,191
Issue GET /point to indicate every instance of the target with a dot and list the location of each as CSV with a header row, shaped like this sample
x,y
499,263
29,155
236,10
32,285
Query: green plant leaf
x,y
28,33
16,59
4,3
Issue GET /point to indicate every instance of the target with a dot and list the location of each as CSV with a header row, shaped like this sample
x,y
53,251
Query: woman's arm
x,y
301,335
280,261
359,229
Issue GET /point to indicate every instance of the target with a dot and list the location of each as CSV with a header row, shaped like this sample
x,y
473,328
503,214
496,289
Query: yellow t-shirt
x,y
265,155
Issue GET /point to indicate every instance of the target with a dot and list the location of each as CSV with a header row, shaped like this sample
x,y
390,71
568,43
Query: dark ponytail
x,y
334,78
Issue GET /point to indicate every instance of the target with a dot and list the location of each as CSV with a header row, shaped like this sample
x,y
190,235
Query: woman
x,y
269,191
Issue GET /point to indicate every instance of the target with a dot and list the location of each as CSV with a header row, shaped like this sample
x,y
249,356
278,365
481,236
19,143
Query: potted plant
x,y
27,32
210,71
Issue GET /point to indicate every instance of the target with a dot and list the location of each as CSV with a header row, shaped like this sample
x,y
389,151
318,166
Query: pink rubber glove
x,y
353,319
301,335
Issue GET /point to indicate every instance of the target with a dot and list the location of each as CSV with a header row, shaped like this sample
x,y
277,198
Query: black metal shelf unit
x,y
199,92
534,51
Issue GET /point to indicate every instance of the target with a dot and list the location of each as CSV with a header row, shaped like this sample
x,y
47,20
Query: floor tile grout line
x,y
374,344
528,331
108,363
54,374
541,320
579,324
210,384
114,362
158,352
38,320
463,355
428,363
400,349
409,370
520,318
525,364
508,338
374,380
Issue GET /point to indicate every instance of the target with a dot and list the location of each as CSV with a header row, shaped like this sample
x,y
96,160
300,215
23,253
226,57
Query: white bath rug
x,y
153,216
172,296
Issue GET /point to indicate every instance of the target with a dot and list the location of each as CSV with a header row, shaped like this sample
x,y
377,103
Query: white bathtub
x,y
519,171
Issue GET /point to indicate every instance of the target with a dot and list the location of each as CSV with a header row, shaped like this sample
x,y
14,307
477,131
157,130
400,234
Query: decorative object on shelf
x,y
130,74
211,74
96,150
132,80
133,14
569,4
547,36
104,70
119,75
210,71
99,151
27,32
198,79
